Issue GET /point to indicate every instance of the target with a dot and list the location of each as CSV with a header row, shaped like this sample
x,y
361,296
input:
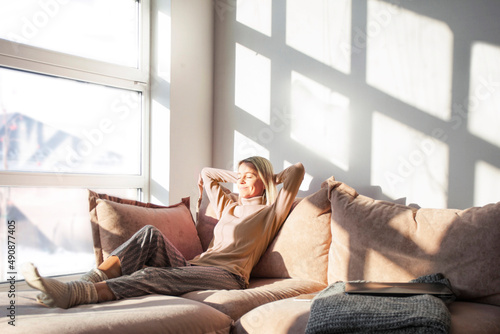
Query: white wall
x,y
405,98
181,99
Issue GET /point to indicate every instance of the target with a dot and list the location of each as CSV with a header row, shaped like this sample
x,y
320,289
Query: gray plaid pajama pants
x,y
150,264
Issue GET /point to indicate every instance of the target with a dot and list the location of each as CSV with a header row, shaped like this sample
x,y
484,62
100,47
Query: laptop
x,y
390,289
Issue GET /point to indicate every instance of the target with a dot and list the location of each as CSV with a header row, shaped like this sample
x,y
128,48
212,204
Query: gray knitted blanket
x,y
332,311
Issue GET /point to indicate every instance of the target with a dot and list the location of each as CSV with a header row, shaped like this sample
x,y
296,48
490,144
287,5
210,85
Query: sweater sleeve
x,y
291,178
212,177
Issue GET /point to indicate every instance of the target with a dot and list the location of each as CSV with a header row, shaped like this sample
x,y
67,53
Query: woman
x,y
149,264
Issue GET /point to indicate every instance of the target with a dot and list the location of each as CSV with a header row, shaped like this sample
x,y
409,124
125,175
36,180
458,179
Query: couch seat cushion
x,y
291,316
235,303
148,314
469,318
286,316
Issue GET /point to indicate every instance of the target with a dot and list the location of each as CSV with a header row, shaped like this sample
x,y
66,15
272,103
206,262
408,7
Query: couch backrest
x,y
383,241
300,249
337,234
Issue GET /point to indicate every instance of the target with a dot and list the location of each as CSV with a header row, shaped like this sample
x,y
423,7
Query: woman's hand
x,y
200,190
200,184
275,179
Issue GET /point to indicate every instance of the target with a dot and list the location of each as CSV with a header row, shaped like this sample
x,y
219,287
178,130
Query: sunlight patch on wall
x,y
322,30
320,120
484,93
255,14
253,83
408,163
410,57
245,147
486,184
306,183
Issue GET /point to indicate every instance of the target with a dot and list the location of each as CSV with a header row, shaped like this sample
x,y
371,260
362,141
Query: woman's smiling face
x,y
249,182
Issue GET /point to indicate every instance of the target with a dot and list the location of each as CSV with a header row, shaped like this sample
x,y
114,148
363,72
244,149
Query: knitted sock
x,y
94,276
58,294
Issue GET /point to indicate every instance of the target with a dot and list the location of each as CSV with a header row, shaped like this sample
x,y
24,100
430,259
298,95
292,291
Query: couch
x,y
334,234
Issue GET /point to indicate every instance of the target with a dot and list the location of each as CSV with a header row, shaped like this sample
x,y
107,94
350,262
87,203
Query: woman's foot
x,y
59,294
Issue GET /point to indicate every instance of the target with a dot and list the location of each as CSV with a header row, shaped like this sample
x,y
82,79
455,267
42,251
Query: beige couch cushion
x,y
236,303
382,241
300,249
291,316
287,316
114,220
147,314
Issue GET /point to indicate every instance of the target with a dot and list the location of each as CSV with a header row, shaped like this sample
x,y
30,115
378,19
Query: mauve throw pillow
x,y
114,220
382,241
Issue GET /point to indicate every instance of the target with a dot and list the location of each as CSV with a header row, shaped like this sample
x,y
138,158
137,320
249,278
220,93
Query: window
x,y
103,30
74,93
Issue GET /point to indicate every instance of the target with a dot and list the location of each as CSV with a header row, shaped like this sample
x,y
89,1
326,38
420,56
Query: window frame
x,y
37,60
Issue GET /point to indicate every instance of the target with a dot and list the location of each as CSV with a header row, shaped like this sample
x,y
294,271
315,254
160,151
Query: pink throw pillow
x,y
114,220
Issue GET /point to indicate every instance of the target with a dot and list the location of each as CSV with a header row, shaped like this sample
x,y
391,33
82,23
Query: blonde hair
x,y
266,173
